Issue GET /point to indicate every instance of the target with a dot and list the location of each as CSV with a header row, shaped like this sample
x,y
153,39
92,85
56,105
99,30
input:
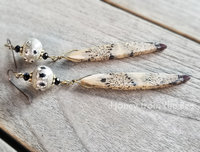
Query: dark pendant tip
x,y
160,46
185,77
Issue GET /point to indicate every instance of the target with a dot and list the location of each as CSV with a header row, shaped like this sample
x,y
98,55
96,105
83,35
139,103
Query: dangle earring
x,y
32,51
42,78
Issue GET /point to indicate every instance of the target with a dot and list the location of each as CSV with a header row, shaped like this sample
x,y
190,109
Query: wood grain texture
x,y
77,119
175,15
4,147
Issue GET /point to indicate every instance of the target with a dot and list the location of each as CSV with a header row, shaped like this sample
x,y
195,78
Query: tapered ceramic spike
x,y
114,51
132,81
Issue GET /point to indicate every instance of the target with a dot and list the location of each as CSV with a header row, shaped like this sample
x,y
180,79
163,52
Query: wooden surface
x,y
79,119
176,15
4,147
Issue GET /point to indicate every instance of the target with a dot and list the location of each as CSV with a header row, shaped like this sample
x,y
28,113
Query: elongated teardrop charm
x,y
114,51
132,81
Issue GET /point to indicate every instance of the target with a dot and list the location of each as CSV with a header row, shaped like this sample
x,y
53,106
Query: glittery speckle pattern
x,y
42,78
131,81
32,49
112,51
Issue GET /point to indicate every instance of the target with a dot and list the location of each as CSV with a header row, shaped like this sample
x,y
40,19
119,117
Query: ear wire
x,y
12,48
17,75
9,45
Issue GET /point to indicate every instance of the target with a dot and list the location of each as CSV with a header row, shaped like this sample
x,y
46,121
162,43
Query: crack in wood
x,y
169,28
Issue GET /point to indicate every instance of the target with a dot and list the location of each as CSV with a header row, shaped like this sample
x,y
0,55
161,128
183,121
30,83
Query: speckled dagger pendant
x,y
133,81
43,78
32,51
114,51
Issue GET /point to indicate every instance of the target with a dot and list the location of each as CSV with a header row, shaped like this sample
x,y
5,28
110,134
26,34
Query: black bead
x,y
45,56
35,52
26,76
57,81
17,48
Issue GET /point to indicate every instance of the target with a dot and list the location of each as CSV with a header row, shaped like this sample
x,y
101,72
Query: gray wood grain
x,y
179,15
4,147
77,119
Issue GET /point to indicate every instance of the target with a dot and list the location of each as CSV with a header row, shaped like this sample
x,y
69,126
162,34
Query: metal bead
x,y
32,49
42,78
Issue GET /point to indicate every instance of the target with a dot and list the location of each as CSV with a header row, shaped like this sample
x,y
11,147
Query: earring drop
x,y
32,51
42,78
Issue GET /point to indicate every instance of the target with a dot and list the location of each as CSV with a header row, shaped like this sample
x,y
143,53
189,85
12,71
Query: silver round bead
x,y
42,78
32,49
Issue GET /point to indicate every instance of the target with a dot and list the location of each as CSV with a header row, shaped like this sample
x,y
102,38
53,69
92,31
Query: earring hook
x,y
12,48
17,75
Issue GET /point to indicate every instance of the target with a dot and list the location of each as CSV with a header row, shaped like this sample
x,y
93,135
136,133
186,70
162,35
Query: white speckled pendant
x,y
42,78
32,49
132,81
114,51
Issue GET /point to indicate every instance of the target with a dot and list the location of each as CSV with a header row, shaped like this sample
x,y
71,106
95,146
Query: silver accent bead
x,y
42,78
32,49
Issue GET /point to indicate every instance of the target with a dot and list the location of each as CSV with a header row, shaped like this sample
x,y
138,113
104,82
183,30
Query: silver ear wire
x,y
17,75
12,48
9,45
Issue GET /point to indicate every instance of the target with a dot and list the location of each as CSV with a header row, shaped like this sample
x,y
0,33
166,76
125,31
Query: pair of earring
x,y
43,78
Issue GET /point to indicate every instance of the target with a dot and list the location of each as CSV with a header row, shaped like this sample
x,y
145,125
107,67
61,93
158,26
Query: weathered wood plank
x,y
179,16
4,147
77,119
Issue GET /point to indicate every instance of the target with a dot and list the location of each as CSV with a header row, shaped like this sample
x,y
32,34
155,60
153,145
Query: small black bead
x,y
35,52
57,81
26,76
45,56
17,48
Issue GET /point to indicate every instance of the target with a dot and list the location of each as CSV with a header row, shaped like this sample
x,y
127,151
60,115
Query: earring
x,y
42,78
32,51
